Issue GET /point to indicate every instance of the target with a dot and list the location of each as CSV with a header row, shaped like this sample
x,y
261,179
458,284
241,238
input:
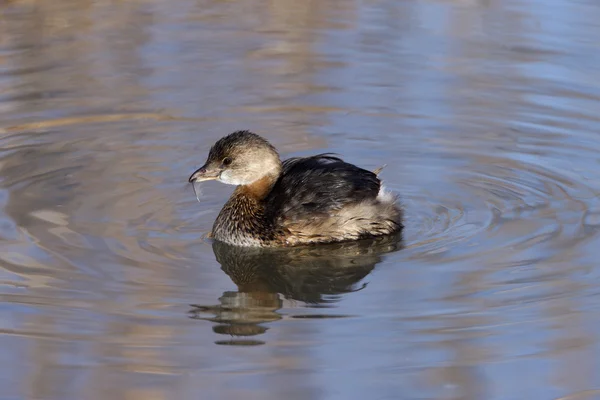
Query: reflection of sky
x,y
395,81
484,112
393,91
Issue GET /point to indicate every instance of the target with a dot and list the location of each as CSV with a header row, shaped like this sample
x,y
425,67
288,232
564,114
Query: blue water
x,y
485,113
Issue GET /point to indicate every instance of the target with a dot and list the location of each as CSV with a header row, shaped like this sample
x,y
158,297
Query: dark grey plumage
x,y
311,187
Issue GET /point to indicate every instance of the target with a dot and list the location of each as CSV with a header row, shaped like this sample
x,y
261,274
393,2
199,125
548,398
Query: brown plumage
x,y
318,199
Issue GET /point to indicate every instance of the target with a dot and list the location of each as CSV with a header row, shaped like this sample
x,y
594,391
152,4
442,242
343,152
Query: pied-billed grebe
x,y
304,200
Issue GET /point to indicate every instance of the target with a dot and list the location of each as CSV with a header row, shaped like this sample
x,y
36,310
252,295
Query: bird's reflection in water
x,y
315,275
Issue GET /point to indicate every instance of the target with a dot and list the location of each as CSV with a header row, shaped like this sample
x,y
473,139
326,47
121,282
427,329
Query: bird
x,y
300,201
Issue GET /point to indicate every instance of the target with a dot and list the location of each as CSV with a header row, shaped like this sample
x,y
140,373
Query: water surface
x,y
485,112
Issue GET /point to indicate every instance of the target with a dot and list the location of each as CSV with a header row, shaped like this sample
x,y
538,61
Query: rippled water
x,y
486,113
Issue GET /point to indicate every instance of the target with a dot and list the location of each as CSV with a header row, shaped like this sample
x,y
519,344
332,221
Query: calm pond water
x,y
486,112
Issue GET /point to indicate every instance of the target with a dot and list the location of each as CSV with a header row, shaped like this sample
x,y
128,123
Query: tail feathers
x,y
378,170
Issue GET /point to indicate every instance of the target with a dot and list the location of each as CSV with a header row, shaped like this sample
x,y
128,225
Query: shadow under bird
x,y
300,201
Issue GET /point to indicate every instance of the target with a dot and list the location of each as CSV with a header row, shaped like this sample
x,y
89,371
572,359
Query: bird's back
x,y
324,199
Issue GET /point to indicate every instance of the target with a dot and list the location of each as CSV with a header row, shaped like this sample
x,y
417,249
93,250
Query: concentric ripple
x,y
509,203
485,112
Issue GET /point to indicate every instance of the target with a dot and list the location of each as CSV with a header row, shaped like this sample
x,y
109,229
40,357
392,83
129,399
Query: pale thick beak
x,y
204,174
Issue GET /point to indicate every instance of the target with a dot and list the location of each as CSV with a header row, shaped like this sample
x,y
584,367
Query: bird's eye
x,y
226,161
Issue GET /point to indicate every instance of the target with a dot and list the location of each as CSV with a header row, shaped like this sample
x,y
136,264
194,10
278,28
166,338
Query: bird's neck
x,y
242,220
258,189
